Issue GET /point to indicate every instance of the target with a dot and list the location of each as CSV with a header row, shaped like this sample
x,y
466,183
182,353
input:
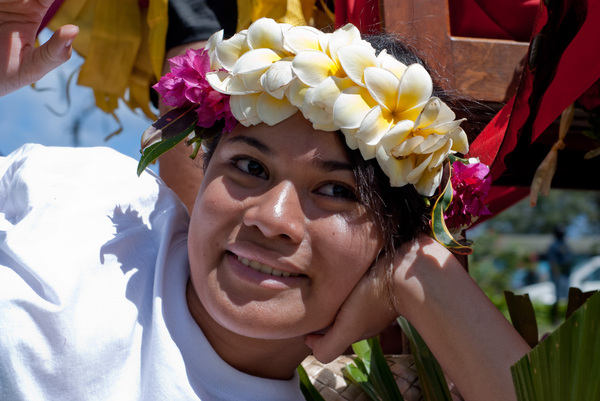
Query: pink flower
x,y
215,107
186,82
186,85
471,184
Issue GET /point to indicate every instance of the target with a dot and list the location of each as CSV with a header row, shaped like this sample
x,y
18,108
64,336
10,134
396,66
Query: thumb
x,y
364,314
346,330
55,51
328,346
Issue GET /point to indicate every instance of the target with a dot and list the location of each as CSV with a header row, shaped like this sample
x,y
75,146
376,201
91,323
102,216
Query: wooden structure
x,y
488,70
484,69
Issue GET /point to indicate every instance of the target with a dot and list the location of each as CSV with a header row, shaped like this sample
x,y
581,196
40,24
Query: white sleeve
x,y
79,237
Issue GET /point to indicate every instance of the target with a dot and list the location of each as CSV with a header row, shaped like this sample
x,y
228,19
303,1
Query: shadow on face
x,y
278,238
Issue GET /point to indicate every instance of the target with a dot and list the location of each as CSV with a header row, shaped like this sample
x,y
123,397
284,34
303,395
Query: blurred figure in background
x,y
559,257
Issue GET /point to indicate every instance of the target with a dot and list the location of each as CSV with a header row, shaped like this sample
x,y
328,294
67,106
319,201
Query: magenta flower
x,y
186,85
471,184
215,107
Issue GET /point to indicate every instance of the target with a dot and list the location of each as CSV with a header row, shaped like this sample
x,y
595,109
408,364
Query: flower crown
x,y
384,108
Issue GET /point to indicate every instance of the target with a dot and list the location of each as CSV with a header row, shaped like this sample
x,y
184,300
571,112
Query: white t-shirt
x,y
93,269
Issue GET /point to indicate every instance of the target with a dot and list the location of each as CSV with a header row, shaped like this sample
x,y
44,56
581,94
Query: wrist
x,y
419,269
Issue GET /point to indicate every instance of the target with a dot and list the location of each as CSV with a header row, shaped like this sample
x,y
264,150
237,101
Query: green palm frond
x,y
566,365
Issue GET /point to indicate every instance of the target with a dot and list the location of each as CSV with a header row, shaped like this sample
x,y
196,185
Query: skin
x,y
472,341
282,196
22,63
271,202
181,173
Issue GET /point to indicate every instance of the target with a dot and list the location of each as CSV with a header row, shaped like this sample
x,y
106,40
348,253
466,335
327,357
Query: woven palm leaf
x,y
329,380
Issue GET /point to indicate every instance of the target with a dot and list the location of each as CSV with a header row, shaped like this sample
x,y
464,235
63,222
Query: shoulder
x,y
83,196
52,159
35,173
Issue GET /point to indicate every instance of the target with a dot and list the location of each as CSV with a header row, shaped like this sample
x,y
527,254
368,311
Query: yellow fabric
x,y
294,12
123,46
542,180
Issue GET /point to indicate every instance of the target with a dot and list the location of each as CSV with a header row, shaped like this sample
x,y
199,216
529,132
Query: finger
x,y
347,328
54,52
326,347
351,325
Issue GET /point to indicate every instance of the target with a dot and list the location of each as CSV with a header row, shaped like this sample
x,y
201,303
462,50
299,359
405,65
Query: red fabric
x,y
500,136
487,144
545,90
50,13
591,98
364,14
501,198
578,69
494,19
556,79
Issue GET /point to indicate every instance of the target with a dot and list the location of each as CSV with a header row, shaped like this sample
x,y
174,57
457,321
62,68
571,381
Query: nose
x,y
278,213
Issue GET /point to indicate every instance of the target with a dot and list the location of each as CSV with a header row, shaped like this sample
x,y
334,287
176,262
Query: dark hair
x,y
400,212
560,232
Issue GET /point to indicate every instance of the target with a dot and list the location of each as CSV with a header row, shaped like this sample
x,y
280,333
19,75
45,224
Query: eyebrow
x,y
332,165
248,140
325,165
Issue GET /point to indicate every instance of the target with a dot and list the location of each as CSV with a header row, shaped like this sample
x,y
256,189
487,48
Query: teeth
x,y
264,268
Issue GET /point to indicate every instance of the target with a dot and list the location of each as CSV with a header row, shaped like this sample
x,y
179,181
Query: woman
x,y
285,254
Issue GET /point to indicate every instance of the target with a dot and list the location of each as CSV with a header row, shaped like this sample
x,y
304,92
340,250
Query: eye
x,y
250,166
336,190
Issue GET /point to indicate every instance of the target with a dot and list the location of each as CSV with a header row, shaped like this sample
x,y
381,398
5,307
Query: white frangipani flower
x,y
272,110
296,91
342,37
244,109
337,80
351,106
390,63
224,82
265,33
318,102
229,51
300,38
397,99
354,59
211,46
277,78
312,67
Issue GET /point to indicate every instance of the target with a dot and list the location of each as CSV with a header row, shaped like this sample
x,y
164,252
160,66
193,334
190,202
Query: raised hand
x,y
21,63
366,312
471,339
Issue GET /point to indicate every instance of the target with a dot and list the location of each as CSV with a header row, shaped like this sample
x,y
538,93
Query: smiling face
x,y
277,238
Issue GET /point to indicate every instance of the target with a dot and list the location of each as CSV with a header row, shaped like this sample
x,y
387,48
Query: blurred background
x,y
511,250
56,114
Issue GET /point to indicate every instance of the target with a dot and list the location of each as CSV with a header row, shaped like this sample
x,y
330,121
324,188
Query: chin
x,y
265,322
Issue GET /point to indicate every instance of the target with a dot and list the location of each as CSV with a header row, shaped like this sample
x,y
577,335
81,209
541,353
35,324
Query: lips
x,y
253,264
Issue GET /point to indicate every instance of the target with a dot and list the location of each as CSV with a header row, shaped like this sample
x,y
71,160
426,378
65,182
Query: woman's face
x,y
277,238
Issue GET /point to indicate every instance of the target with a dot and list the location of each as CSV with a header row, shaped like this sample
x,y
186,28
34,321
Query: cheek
x,y
212,208
349,251
212,215
357,244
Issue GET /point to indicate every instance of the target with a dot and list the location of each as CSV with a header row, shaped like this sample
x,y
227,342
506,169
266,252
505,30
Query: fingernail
x,y
69,43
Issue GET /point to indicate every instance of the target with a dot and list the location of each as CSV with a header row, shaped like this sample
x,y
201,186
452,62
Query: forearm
x,y
182,174
472,340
